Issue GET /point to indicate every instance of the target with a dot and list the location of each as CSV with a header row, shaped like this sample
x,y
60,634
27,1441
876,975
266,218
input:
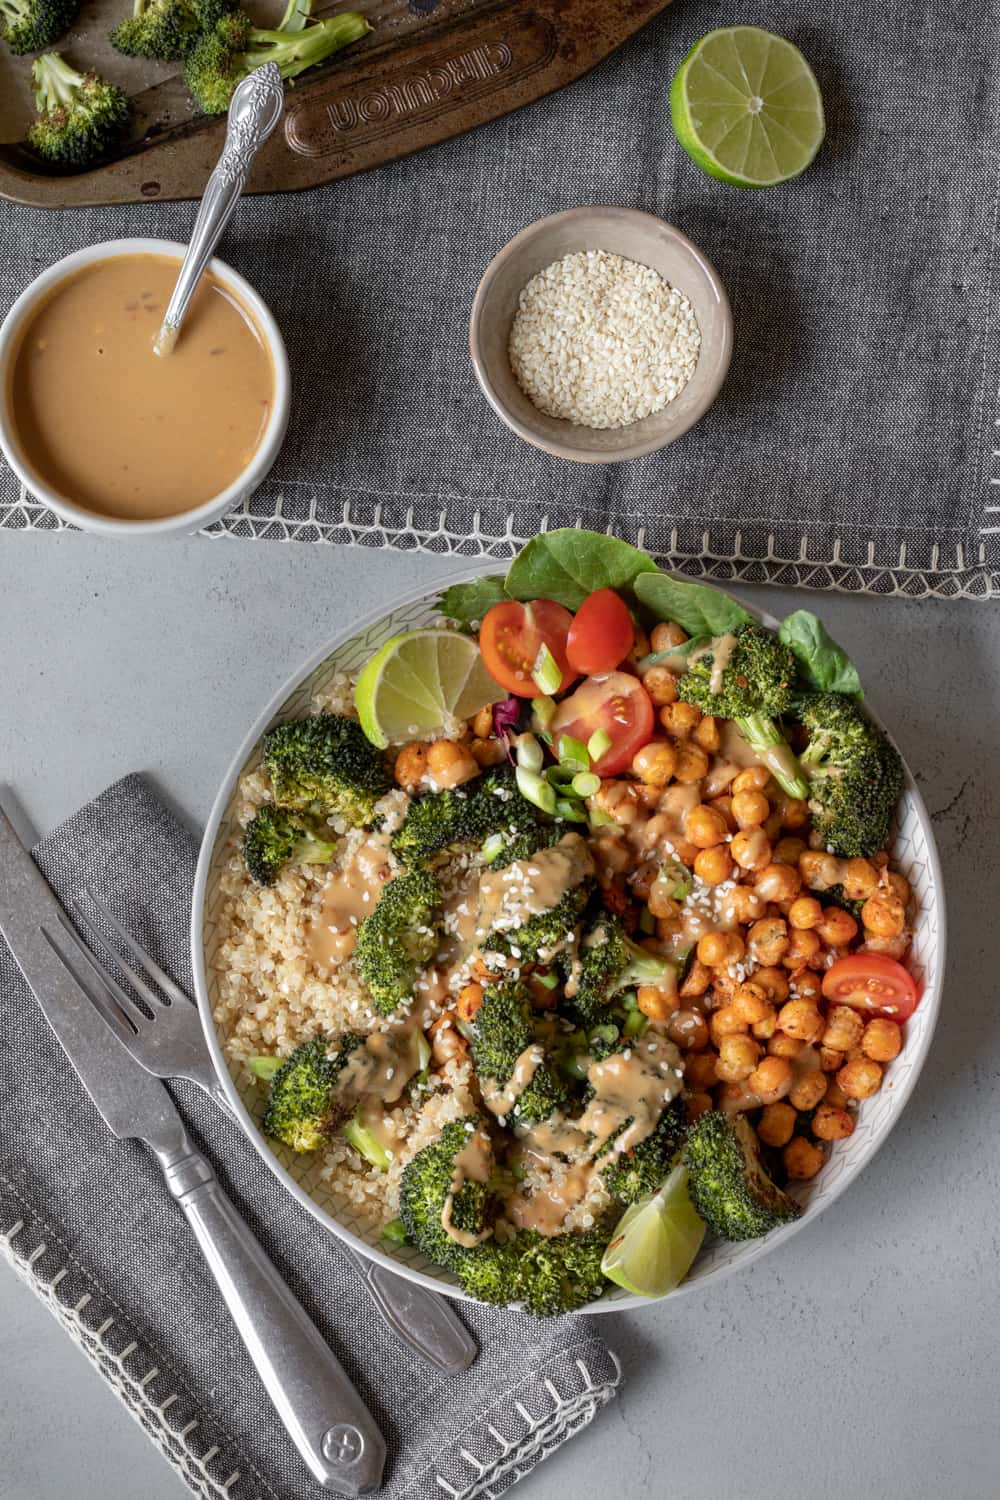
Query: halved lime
x,y
419,683
656,1240
747,108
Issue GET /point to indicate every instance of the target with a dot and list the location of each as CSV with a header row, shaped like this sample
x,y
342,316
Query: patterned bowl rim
x,y
750,1250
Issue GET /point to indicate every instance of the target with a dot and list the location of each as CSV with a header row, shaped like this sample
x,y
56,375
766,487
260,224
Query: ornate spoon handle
x,y
254,111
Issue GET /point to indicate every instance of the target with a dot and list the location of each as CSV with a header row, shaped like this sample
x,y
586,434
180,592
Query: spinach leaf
x,y
697,609
468,602
568,564
824,665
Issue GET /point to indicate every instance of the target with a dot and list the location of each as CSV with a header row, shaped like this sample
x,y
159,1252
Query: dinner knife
x,y
312,1393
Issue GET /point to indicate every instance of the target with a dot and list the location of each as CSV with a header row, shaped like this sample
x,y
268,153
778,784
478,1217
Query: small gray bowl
x,y
620,231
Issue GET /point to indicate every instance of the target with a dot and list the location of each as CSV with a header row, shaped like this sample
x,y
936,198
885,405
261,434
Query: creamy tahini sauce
x,y
501,1101
474,1163
720,649
544,1209
122,432
508,897
349,896
387,1062
631,1091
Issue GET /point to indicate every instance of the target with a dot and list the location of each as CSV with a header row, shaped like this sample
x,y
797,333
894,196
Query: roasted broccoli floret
x,y
753,687
503,1029
632,1175
325,762
166,30
549,1274
545,933
728,1186
80,116
233,47
855,775
508,849
29,25
277,836
436,1190
609,962
399,938
302,1110
465,817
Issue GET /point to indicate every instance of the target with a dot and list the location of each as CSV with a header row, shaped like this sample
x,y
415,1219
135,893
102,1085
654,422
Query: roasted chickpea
x,y
724,1022
655,1003
805,913
764,1030
802,1159
713,866
793,811
449,764
661,685
447,1044
800,1018
772,827
737,1058
707,734
808,986
837,928
724,805
667,636
767,940
835,1094
688,1028
781,1045
771,1079
698,979
779,883
470,998
697,1104
732,1098
654,763
777,1122
807,1090
743,904
843,1028
486,753
884,914
860,1077
752,779
788,851
819,870
897,884
411,764
680,719
691,763
830,1060
705,827
481,723
774,982
699,1070
860,879
750,808
751,849
882,1040
892,947
751,1002
831,1122
618,799
659,900
717,948
802,948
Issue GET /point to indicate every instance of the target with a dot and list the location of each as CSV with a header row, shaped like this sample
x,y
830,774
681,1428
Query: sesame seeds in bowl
x,y
600,334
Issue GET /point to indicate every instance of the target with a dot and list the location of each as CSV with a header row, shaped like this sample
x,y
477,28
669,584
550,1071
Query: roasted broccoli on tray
x,y
233,47
80,116
30,25
166,30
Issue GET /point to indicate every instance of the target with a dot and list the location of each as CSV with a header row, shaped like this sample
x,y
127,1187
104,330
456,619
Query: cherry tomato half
x,y
872,982
511,637
618,704
601,635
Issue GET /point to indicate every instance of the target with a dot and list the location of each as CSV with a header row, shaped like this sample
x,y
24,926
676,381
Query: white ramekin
x,y
189,520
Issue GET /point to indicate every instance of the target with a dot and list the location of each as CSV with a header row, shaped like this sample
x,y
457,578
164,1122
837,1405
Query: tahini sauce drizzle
x,y
348,897
474,1163
508,897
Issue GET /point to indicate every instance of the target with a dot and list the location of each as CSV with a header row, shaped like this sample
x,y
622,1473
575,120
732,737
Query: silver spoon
x,y
254,111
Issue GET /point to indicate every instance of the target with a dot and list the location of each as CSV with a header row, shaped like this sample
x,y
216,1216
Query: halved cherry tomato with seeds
x,y
601,635
872,982
511,637
617,703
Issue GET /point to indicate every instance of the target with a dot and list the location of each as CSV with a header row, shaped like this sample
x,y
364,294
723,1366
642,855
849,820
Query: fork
x,y
162,1029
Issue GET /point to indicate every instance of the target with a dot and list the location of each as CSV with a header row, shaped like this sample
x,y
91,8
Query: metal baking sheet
x,y
429,70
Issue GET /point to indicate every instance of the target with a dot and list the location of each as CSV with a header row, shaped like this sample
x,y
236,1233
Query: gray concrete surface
x,y
860,1360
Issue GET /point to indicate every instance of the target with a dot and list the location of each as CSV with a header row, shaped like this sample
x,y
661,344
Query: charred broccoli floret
x,y
855,775
728,1186
465,817
503,1029
80,116
233,47
752,684
29,25
631,1175
437,1190
609,963
399,938
278,836
545,933
302,1110
325,762
549,1274
166,30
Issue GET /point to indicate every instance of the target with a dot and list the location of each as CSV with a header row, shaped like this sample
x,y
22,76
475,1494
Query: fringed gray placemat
x,y
855,443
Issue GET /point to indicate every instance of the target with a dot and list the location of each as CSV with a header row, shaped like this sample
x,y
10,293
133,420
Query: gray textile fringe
x,y
86,1222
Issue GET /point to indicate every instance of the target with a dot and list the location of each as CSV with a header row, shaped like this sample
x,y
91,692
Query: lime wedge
x,y
419,683
747,108
656,1240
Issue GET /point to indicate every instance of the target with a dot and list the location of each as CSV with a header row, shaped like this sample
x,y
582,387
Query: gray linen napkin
x,y
86,1220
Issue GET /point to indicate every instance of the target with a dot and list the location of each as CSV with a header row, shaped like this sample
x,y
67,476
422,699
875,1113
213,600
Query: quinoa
x,y
602,341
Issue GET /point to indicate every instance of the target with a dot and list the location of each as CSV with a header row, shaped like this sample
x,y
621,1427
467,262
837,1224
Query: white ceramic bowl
x,y
211,510
915,854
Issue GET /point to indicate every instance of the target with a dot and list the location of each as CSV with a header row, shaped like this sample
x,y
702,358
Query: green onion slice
x,y
536,789
599,818
572,753
599,744
585,783
530,754
492,847
264,1067
568,808
546,674
395,1233
547,981
544,711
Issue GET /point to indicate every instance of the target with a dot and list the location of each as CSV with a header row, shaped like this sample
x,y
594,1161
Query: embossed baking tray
x,y
429,70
